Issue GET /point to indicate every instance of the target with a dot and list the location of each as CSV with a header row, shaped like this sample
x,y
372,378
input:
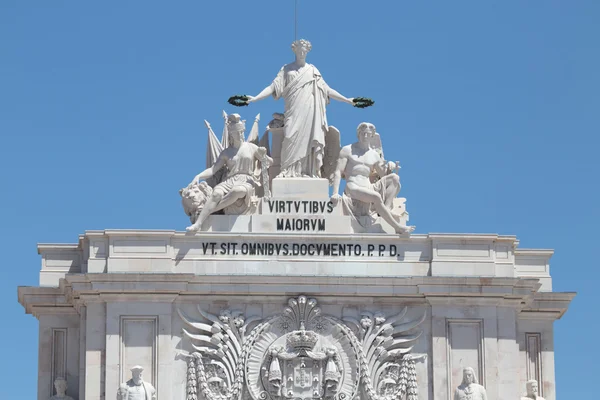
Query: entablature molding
x,y
78,290
548,305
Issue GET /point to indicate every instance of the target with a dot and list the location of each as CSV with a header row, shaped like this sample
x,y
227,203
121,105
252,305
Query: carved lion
x,y
193,198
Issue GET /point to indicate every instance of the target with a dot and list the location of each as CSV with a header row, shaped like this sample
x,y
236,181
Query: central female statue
x,y
306,96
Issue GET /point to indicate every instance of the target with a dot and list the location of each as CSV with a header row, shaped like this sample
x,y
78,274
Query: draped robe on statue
x,y
306,96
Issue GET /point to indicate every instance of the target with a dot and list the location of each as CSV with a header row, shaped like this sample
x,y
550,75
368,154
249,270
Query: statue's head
x,y
236,128
469,376
365,132
301,48
532,387
136,374
60,384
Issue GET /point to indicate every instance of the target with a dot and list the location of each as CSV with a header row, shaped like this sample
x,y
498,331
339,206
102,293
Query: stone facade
x,y
116,299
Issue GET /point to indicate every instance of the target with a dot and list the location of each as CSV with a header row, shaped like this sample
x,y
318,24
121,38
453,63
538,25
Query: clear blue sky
x,y
492,107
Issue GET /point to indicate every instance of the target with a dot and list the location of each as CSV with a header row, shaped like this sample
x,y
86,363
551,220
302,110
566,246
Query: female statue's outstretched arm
x,y
334,94
266,92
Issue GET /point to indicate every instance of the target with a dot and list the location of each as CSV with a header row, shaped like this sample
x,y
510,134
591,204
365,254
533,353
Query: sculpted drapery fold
x,y
306,95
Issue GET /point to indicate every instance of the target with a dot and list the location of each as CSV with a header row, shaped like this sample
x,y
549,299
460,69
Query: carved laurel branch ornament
x,y
362,102
302,354
238,100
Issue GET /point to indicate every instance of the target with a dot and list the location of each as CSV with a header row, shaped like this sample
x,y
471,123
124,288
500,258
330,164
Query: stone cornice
x,y
464,301
548,305
472,236
181,234
56,246
42,300
426,284
81,289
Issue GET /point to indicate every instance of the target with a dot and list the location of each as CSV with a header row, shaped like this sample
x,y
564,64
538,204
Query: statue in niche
x,y
60,384
306,131
136,388
532,391
231,182
470,389
372,184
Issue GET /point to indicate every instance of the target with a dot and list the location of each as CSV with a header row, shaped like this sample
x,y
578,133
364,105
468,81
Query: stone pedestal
x,y
300,189
302,205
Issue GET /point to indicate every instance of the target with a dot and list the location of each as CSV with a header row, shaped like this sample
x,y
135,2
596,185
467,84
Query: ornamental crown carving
x,y
302,354
302,340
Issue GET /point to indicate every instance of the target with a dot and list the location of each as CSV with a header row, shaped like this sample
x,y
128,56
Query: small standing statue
x,y
470,389
371,183
60,384
239,184
532,391
306,96
136,388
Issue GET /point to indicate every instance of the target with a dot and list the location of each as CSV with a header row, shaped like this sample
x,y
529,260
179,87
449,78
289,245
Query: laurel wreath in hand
x,y
362,102
238,100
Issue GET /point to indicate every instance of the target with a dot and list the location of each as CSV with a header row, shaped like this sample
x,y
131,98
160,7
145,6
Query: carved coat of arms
x,y
301,355
301,370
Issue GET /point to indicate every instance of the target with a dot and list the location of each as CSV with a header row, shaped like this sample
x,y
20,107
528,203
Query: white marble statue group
x,y
233,178
302,145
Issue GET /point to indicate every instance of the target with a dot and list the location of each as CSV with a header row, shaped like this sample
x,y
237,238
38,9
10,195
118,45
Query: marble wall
x,y
504,351
112,301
